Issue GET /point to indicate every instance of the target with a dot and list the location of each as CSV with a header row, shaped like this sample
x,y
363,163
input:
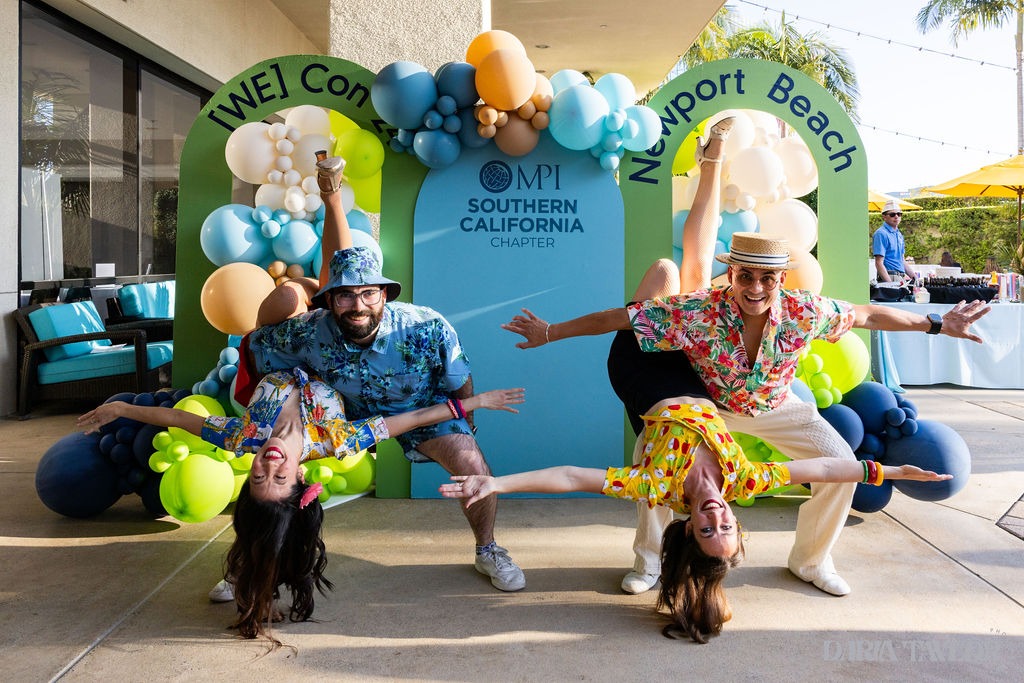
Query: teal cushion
x,y
103,363
148,300
63,320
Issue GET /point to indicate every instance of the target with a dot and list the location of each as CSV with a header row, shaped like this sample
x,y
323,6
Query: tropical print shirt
x,y
326,432
670,440
416,361
708,327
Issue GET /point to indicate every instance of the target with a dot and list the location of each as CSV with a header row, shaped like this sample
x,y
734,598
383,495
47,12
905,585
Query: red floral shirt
x,y
708,327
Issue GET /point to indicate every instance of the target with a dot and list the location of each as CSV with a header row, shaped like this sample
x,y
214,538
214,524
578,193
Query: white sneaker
x,y
222,592
505,574
636,583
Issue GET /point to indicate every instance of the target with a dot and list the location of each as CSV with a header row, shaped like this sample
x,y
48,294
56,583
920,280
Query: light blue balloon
x,y
209,387
611,142
458,81
282,216
566,78
362,239
436,148
577,117
678,219
741,221
297,243
270,229
617,90
402,93
357,220
717,267
648,128
609,161
227,373
262,213
230,235
229,356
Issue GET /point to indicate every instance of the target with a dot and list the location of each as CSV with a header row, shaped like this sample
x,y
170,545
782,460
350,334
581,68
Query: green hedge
x,y
969,228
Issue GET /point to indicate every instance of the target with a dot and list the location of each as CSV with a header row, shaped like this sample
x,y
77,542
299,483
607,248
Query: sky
x,y
927,98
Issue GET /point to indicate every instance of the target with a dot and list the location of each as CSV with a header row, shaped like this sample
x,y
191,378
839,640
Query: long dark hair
x,y
276,543
691,585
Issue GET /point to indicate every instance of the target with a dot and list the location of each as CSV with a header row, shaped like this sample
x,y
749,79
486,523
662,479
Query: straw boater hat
x,y
356,267
754,250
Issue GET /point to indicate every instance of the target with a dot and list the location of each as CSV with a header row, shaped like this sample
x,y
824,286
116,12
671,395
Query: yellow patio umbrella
x,y
1004,179
877,201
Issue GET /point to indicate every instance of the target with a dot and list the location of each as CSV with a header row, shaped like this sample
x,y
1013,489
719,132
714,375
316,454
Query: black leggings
x,y
641,379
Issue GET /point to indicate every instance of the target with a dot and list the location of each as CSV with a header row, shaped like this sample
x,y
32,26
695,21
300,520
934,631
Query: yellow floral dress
x,y
670,440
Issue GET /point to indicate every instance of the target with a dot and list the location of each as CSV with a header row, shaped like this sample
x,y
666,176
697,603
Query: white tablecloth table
x,y
996,364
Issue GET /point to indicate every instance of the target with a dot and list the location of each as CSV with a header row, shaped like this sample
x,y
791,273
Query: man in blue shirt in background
x,y
887,247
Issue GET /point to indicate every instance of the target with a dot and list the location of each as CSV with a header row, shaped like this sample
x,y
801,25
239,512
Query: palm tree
x,y
967,15
808,53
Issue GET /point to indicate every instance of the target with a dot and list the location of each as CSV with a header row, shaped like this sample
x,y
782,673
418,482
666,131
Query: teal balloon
x,y
362,239
402,93
467,132
357,220
617,90
230,235
436,148
643,129
567,78
296,243
577,117
458,81
741,221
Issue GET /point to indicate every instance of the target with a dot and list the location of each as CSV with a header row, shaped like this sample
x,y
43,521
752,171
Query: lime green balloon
x,y
158,462
239,478
340,123
178,451
837,396
684,159
847,361
358,470
822,380
744,502
812,364
197,489
203,406
337,484
362,151
242,463
367,191
162,440
822,398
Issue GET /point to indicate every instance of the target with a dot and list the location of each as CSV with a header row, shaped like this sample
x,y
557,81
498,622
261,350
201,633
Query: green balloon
x,y
197,489
847,361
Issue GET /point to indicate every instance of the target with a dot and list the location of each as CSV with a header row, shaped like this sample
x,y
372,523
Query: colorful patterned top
x,y
670,439
326,433
708,327
415,361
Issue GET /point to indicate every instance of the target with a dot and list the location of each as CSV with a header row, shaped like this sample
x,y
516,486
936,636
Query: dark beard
x,y
360,329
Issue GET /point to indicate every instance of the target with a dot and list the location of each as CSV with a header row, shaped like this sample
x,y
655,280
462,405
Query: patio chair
x,y
146,306
67,353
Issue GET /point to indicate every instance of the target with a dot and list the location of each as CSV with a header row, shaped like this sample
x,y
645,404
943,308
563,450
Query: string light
x,y
941,143
888,41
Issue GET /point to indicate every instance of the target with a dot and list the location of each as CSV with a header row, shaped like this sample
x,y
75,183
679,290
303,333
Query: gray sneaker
x,y
222,592
505,574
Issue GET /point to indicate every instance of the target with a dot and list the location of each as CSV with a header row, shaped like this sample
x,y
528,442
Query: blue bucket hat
x,y
356,267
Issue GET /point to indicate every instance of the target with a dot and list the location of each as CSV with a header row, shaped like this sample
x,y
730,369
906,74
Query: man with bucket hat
x,y
719,330
887,246
387,357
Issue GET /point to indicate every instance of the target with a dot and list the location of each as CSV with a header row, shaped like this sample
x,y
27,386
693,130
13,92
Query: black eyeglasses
x,y
370,297
894,213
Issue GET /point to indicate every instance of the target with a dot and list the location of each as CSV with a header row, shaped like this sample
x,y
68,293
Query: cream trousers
x,y
797,430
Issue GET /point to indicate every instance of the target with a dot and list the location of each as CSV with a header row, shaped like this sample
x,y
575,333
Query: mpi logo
x,y
497,176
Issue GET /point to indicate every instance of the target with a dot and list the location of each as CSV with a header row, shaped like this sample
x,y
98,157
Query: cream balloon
x,y
250,152
792,220
741,136
295,199
757,171
682,193
271,195
310,120
797,165
763,120
304,155
348,197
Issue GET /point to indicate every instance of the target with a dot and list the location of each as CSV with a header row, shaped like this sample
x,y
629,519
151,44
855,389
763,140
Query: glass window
x,y
102,133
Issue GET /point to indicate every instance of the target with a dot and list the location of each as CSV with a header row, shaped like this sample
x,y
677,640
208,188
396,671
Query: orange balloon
x,y
543,93
517,138
489,41
808,276
486,115
540,120
232,295
505,79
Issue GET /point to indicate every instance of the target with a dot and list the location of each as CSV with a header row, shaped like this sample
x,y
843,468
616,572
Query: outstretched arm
x,y
162,417
539,332
956,322
828,470
562,479
498,399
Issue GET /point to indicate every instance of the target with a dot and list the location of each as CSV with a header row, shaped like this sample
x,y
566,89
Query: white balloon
x,y
284,146
309,185
763,120
741,136
745,202
271,195
798,165
304,155
283,163
295,200
293,133
291,178
682,194
313,202
310,120
250,152
277,131
348,197
792,220
756,170
275,177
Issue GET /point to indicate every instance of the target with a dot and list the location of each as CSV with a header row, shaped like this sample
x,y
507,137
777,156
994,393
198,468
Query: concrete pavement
x,y
938,588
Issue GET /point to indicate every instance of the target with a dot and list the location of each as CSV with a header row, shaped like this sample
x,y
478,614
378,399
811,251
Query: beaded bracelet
x,y
455,406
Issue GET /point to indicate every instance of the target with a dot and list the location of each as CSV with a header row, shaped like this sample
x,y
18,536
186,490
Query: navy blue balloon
x,y
935,447
845,421
872,445
868,498
121,454
871,400
895,416
147,400
127,434
181,393
142,445
458,81
74,479
161,396
107,443
149,492
909,427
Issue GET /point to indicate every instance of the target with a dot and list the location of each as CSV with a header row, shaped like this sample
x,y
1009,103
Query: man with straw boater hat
x,y
744,341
